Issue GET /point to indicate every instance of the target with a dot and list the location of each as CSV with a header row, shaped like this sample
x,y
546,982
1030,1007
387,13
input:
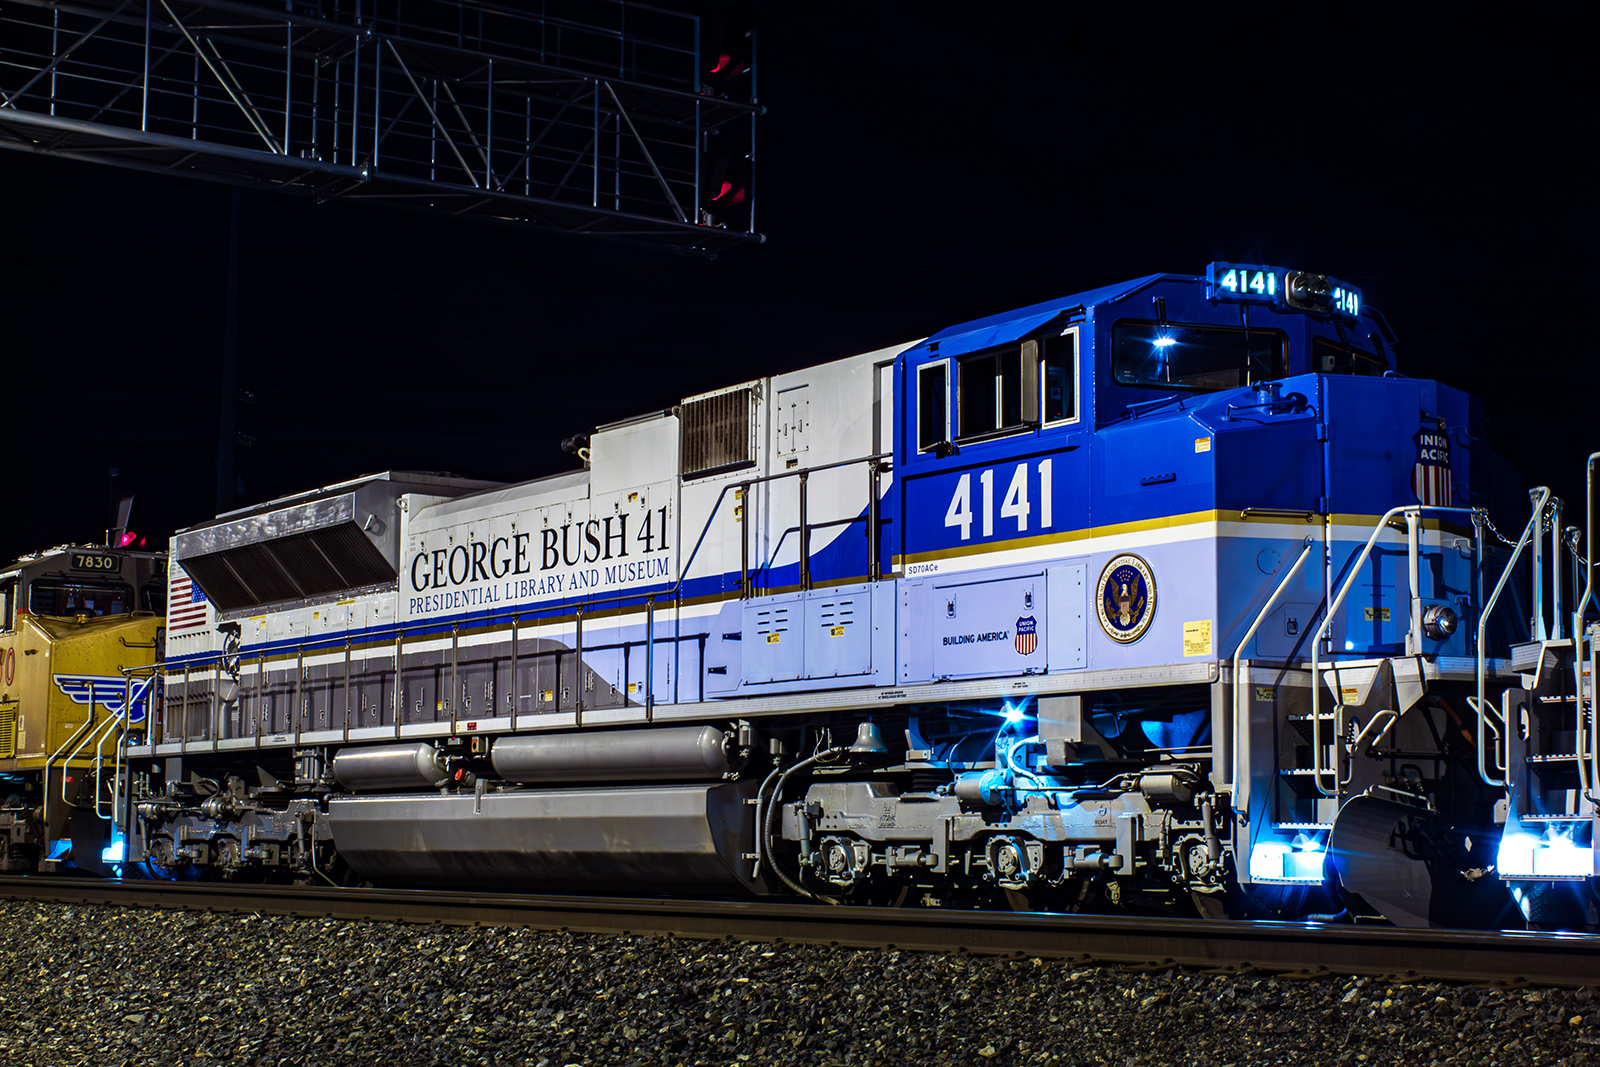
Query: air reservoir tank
x,y
388,767
678,753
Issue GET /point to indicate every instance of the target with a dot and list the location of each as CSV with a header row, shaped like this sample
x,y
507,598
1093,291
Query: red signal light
x,y
729,67
128,537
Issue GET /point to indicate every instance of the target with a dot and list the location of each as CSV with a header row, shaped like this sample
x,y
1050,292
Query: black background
x,y
918,167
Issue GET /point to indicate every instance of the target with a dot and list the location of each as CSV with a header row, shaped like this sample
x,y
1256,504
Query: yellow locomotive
x,y
80,635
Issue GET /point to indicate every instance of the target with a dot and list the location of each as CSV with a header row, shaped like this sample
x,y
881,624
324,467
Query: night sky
x,y
915,169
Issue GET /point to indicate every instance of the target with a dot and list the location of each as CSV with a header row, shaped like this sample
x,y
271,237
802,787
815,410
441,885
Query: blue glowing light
x,y
1165,342
1015,714
115,852
1552,854
1277,861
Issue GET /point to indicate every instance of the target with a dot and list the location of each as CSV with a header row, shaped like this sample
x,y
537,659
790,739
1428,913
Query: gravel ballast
x,y
105,986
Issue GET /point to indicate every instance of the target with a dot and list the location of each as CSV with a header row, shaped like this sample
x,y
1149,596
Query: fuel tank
x,y
648,837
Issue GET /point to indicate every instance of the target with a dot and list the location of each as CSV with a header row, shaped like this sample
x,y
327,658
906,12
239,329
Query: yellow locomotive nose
x,y
79,633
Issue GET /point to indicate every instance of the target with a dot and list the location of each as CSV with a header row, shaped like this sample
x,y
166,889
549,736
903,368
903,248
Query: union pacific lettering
x,y
1434,446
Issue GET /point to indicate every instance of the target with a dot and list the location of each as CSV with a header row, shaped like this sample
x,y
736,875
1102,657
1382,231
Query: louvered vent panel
x,y
224,590
314,563
8,731
358,561
258,569
716,433
298,556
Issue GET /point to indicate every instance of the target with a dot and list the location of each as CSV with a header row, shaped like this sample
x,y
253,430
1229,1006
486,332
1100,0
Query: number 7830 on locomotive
x,y
1174,595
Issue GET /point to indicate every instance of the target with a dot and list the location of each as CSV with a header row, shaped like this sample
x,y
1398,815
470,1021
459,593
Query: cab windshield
x,y
59,596
1200,359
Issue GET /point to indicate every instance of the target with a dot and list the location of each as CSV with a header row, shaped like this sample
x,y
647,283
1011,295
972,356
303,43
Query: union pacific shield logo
x,y
1125,599
1027,635
1430,477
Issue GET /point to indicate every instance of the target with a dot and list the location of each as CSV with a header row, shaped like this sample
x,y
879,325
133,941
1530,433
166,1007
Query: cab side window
x,y
8,607
933,405
998,390
1058,374
153,598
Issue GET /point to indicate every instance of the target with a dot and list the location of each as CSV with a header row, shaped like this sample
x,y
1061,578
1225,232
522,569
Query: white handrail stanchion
x,y
1238,653
1416,510
1479,702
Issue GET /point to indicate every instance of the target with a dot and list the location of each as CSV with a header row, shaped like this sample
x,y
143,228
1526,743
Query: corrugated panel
x,y
716,433
314,563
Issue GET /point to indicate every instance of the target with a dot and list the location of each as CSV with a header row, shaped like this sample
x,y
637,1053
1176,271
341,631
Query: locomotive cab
x,y
80,630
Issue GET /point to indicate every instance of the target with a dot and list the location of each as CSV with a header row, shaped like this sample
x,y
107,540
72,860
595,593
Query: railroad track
x,y
1306,950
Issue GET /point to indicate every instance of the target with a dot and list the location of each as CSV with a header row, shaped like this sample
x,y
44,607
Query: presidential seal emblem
x,y
1125,599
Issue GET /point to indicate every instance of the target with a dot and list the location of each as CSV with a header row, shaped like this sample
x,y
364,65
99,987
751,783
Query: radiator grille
x,y
716,433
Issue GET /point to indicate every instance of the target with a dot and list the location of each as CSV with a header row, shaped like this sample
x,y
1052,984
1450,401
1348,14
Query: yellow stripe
x,y
1168,522
1195,518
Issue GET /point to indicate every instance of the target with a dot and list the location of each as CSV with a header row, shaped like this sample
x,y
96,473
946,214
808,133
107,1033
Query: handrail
x,y
641,595
1318,771
744,485
1578,634
87,725
1541,496
99,767
771,561
1588,589
1387,717
1594,692
1238,687
1556,622
647,598
100,732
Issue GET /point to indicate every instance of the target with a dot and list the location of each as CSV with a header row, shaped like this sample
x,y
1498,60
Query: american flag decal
x,y
1027,635
186,602
1430,478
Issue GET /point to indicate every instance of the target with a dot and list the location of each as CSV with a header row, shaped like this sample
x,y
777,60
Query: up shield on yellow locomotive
x,y
42,663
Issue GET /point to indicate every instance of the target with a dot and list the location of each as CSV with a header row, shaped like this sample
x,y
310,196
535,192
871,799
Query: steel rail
x,y
1290,949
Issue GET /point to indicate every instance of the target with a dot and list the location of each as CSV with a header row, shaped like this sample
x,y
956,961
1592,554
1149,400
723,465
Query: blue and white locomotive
x,y
1033,612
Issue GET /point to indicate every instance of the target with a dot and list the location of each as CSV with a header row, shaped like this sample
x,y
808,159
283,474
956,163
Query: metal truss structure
x,y
592,118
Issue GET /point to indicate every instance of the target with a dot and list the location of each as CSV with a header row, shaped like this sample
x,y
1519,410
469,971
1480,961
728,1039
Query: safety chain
x,y
1545,527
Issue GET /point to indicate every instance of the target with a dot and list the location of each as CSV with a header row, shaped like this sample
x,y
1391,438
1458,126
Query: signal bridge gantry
x,y
618,124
